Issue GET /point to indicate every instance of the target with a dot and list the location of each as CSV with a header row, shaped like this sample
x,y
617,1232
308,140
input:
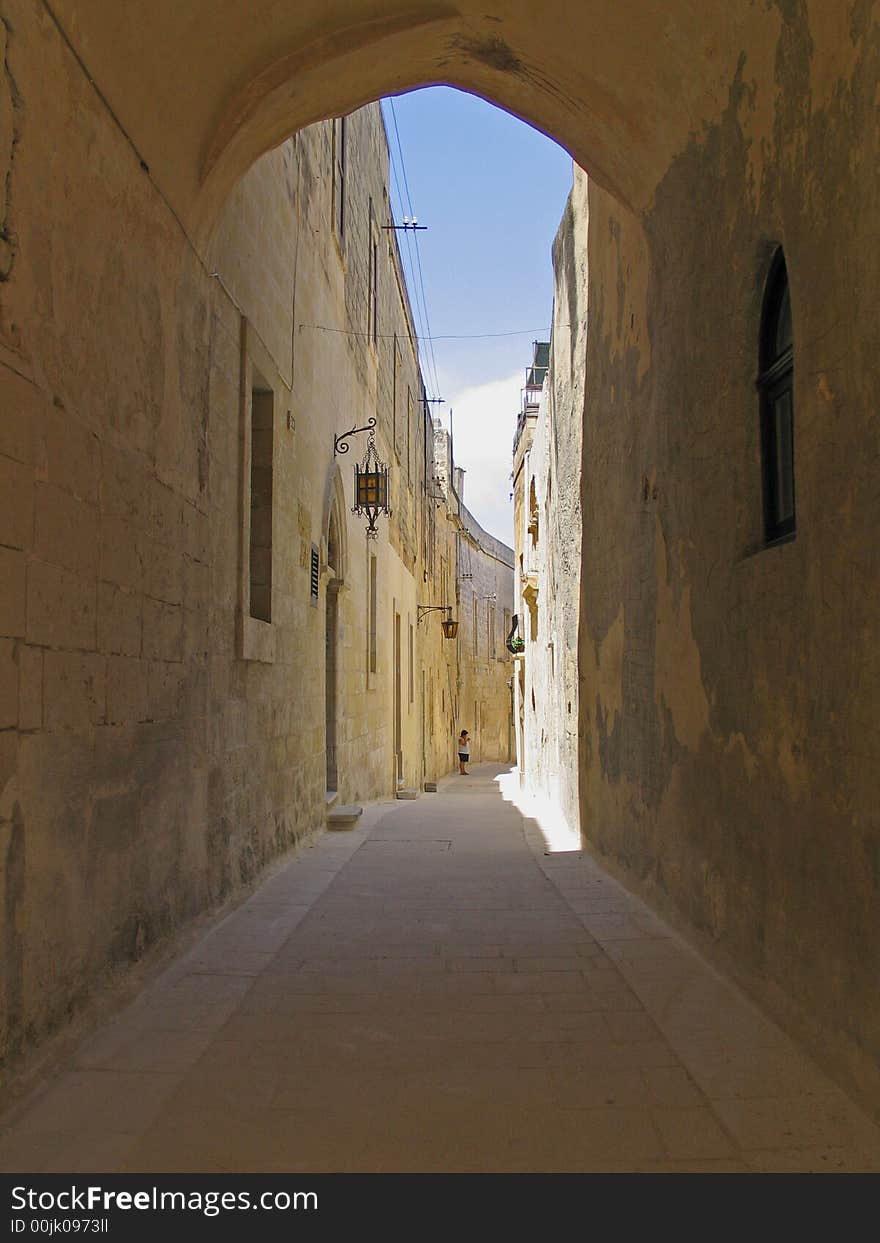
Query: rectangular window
x,y
411,669
372,650
339,177
262,435
490,632
476,631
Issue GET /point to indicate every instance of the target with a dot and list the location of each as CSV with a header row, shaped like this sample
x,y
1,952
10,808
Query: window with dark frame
x,y
776,393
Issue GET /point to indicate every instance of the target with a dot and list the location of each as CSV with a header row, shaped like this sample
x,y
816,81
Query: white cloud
x,y
483,425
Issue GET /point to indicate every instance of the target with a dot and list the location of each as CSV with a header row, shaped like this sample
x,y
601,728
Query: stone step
x,y
344,817
407,793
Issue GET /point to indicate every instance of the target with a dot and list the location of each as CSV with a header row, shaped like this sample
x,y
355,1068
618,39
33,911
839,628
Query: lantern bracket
x,y
339,445
424,609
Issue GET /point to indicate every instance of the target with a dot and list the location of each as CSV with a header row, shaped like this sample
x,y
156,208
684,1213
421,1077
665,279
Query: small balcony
x,y
536,374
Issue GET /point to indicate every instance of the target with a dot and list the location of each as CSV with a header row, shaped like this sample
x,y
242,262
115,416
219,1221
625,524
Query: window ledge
x,y
340,247
780,539
768,544
256,640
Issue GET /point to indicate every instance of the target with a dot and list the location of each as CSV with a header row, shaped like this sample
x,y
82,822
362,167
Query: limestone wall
x,y
167,470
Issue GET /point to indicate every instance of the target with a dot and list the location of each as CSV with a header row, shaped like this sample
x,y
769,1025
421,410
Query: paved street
x,y
431,992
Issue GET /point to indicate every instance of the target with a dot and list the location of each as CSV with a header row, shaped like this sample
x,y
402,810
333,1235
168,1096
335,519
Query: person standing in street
x,y
464,752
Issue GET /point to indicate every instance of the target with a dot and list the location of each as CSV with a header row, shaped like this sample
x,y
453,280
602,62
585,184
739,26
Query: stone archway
x,y
202,90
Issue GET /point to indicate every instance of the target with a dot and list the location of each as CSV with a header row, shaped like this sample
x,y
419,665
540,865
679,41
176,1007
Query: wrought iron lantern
x,y
370,478
448,626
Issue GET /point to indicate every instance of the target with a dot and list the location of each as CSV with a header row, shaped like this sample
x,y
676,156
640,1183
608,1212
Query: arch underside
x,y
203,90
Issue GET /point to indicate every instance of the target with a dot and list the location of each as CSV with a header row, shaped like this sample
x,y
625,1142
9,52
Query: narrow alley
x,y
431,991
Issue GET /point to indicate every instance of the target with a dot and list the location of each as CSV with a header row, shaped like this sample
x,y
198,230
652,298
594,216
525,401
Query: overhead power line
x,y
428,336
410,279
443,336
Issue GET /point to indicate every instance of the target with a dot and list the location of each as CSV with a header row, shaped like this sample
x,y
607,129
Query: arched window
x,y
776,389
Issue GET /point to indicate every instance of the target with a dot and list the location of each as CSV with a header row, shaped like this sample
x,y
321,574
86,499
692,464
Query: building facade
x,y
203,651
548,530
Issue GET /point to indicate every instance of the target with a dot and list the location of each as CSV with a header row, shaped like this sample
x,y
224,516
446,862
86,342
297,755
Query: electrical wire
x,y
406,208
427,322
409,272
421,333
447,336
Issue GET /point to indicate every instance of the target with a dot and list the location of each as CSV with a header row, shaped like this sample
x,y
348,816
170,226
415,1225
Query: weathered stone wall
x,y
729,707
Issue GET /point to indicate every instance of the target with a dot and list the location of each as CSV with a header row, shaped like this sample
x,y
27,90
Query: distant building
x,y
547,541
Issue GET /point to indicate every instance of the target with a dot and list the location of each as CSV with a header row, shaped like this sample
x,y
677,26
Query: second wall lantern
x,y
448,626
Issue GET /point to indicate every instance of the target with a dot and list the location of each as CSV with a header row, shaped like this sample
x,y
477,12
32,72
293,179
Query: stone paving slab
x,y
431,991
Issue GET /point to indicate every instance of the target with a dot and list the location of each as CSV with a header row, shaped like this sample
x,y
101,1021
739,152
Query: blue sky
x,y
491,190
